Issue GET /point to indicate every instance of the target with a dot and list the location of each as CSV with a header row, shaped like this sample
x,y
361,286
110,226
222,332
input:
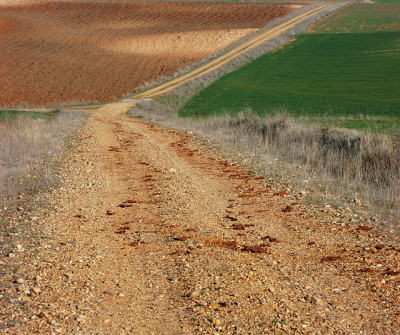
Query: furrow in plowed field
x,y
97,51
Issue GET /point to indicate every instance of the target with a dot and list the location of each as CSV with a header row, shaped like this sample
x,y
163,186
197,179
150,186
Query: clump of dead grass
x,y
26,146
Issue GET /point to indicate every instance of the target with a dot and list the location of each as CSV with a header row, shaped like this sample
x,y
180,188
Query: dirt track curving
x,y
97,51
229,56
152,232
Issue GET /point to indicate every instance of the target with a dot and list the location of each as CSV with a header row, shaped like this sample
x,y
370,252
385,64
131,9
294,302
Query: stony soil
x,y
96,51
152,231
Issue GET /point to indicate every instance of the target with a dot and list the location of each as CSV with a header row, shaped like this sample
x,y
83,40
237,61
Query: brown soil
x,y
97,51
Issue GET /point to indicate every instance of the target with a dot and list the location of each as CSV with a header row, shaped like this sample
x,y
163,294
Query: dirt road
x,y
153,232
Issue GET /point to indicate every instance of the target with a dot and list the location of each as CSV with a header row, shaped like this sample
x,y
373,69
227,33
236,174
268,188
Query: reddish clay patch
x,y
271,239
391,272
365,228
122,230
254,249
180,238
287,209
331,259
280,193
238,226
231,217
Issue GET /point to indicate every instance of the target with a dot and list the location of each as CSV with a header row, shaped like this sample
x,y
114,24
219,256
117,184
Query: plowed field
x,y
96,51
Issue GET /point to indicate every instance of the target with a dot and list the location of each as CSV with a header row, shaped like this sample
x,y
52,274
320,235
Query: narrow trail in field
x,y
154,232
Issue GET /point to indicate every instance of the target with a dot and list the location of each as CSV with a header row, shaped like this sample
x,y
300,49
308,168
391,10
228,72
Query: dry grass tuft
x,y
26,146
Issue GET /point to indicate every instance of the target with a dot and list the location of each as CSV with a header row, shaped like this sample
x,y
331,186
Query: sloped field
x,y
96,51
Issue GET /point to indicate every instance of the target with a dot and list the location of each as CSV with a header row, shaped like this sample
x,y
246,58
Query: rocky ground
x,y
153,231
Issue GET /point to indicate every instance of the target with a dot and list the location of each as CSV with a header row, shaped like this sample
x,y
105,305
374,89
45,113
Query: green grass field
x,y
387,1
328,76
11,115
363,18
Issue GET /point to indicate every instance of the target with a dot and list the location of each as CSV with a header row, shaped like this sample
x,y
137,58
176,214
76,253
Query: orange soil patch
x,y
97,51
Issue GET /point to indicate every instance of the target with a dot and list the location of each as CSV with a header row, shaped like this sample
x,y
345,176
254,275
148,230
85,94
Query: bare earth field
x,y
92,51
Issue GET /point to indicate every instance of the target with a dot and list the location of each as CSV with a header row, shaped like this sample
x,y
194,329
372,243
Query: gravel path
x,y
151,231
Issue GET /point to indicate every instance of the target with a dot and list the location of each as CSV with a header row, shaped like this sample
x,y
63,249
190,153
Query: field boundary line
x,y
230,55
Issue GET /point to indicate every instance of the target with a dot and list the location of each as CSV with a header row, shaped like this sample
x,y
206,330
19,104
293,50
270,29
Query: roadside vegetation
x,y
27,145
11,115
342,163
295,104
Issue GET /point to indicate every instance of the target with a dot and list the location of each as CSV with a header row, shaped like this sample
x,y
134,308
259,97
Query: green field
x,y
362,18
387,1
11,115
349,79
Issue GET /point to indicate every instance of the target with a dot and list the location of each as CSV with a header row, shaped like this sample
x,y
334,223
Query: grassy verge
x,y
26,148
347,163
12,115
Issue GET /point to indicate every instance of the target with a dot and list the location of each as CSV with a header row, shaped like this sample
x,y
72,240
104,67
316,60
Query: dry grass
x,y
26,146
362,164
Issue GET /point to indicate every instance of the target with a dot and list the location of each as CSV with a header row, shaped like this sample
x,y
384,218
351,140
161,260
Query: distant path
x,y
229,56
